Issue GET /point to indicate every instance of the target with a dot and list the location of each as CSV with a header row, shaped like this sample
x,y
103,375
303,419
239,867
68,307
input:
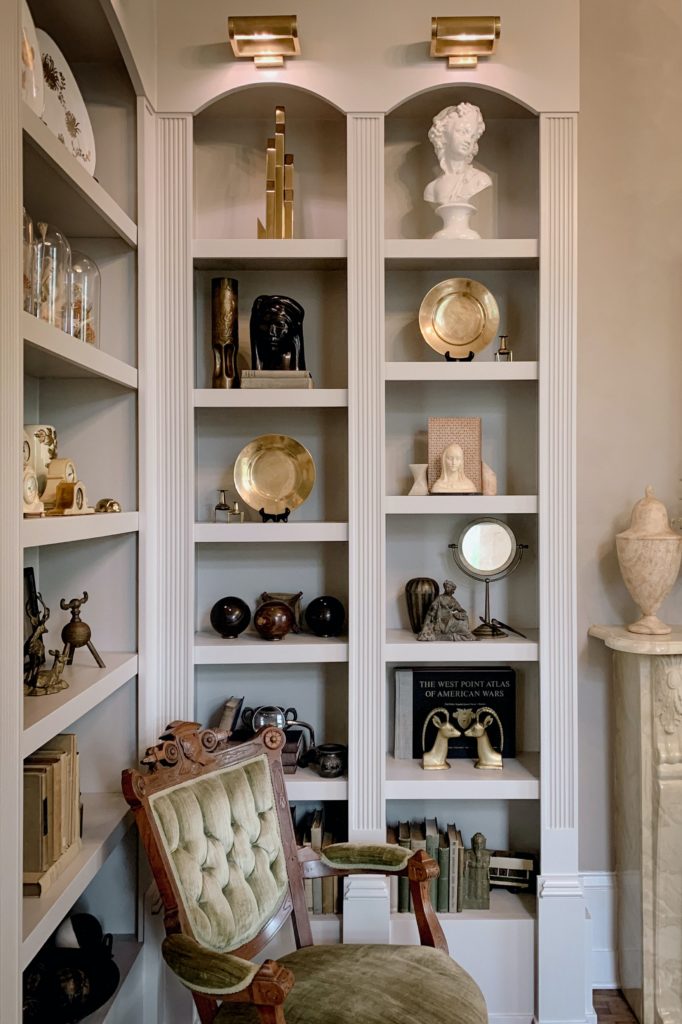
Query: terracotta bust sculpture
x,y
454,135
446,619
474,882
452,479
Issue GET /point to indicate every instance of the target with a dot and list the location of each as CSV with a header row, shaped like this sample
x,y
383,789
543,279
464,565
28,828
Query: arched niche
x,y
230,139
508,152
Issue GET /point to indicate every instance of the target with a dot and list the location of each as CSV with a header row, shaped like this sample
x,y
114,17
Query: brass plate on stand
x,y
459,316
274,472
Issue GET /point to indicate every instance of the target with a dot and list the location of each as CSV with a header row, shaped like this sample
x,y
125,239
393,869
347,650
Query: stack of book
x,y
322,895
52,825
276,379
292,750
445,846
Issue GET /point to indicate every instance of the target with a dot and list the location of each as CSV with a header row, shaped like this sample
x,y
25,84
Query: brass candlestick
x,y
279,185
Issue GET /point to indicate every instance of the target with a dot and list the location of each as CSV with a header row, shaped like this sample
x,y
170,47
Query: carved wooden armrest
x,y
382,857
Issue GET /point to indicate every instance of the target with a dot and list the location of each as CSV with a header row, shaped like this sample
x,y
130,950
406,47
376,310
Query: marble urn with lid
x,y
649,554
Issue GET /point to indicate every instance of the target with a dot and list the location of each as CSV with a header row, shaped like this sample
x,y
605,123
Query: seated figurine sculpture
x,y
446,619
276,330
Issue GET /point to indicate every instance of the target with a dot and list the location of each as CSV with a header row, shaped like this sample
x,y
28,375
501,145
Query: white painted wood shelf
x,y
493,253
266,253
269,533
306,784
66,529
461,504
402,645
59,190
89,685
106,819
50,353
251,649
477,370
126,950
519,779
271,398
504,906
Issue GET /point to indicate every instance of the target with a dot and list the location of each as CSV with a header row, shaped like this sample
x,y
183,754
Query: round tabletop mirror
x,y
487,547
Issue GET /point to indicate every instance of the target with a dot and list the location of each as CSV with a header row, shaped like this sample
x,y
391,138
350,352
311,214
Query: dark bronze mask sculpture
x,y
277,333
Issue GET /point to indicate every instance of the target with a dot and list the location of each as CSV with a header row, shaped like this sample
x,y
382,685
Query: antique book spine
x,y
35,821
452,869
402,747
417,842
316,836
392,839
443,887
329,884
37,883
431,836
403,884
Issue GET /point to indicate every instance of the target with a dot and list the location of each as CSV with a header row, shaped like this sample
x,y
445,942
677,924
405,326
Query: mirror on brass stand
x,y
487,550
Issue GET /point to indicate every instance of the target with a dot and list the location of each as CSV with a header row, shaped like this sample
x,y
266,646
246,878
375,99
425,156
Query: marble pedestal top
x,y
618,638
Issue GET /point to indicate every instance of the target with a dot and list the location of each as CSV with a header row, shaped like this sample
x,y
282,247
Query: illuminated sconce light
x,y
265,38
464,40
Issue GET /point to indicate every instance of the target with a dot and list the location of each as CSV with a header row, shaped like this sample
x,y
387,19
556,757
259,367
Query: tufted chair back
x,y
215,821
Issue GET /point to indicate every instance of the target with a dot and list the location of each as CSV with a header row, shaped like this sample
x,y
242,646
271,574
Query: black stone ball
x,y
230,616
325,616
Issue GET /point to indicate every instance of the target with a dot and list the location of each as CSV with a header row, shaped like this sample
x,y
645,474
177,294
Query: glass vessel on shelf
x,y
51,264
28,262
84,293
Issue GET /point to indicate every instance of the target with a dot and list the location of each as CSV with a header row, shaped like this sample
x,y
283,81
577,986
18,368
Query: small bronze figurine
x,y
77,633
446,619
473,890
225,332
49,680
34,648
276,329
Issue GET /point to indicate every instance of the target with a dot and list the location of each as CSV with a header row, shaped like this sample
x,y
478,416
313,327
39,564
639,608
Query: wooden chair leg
x,y
207,1007
271,1014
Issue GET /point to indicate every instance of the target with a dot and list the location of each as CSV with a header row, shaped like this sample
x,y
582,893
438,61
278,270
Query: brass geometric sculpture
x,y
464,39
279,185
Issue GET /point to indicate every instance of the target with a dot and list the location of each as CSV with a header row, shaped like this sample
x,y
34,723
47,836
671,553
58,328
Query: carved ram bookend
x,y
488,757
436,758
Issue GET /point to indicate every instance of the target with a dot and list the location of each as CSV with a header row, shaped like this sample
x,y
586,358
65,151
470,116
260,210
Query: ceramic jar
x,y
273,620
325,616
84,293
420,593
649,555
230,616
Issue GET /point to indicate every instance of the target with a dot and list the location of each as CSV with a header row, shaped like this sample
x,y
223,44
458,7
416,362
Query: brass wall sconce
x,y
265,38
464,40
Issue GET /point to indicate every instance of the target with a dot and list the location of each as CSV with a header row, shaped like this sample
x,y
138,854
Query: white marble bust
x,y
454,135
453,479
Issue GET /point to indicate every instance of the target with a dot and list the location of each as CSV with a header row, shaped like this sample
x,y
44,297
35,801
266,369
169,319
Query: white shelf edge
x,y
83,183
271,398
89,686
483,370
126,950
66,529
269,248
464,504
402,645
269,533
519,779
61,346
504,906
106,819
306,784
250,649
461,249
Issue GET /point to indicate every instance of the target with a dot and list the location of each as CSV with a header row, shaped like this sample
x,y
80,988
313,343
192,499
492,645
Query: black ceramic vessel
x,y
273,620
325,616
420,593
230,616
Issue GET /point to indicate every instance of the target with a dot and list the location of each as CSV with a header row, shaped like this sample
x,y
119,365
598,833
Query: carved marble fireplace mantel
x,y
647,701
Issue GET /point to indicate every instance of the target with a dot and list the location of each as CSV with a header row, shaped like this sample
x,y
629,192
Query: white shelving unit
x,y
293,398
251,649
67,529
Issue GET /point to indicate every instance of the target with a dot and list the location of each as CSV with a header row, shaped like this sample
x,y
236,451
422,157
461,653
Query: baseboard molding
x,y
600,896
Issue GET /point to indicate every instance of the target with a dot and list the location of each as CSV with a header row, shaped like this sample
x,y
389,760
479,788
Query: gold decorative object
x,y
224,332
49,680
435,759
71,500
488,757
77,633
274,474
279,185
463,40
458,317
108,505
265,38
504,354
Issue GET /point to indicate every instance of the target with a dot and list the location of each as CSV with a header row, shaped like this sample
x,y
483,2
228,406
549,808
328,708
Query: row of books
x,y
52,817
445,846
322,895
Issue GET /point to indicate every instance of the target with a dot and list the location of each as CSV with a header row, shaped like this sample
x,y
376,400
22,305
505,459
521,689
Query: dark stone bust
x,y
276,330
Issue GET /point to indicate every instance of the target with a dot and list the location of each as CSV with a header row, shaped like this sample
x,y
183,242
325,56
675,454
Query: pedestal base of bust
x,y
647,759
456,217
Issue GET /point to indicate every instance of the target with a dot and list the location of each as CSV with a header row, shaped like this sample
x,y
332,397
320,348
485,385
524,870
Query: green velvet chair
x,y
215,822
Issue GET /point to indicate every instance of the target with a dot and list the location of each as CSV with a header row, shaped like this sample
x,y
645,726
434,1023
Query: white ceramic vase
x,y
649,555
456,217
418,471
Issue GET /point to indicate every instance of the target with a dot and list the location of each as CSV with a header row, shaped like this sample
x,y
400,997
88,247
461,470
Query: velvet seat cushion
x,y
372,985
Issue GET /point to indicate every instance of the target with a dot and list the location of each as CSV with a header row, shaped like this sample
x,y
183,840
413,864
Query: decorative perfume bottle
x,y
504,354
52,260
28,262
84,293
226,513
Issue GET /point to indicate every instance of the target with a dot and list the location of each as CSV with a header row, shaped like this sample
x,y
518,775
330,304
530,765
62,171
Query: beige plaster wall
x,y
630,336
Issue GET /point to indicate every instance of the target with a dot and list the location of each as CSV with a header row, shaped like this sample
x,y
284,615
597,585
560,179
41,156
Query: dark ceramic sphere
x,y
325,616
230,616
273,620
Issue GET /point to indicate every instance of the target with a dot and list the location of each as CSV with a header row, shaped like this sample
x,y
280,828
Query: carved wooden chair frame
x,y
187,752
